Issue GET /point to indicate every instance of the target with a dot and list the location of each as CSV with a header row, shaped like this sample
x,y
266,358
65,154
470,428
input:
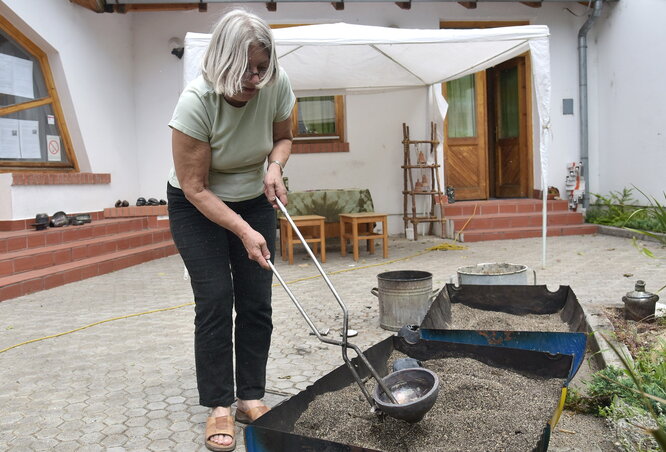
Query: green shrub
x,y
620,209
633,399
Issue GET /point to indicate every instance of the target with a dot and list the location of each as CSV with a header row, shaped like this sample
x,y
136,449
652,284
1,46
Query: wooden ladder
x,y
427,184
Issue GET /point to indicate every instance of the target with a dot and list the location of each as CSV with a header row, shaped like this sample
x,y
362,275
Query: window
x,y
462,107
318,118
33,134
318,125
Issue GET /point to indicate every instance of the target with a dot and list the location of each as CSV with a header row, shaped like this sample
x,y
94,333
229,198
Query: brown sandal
x,y
223,425
252,414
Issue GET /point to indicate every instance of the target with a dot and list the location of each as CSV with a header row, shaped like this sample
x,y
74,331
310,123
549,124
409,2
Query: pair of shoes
x,y
252,414
150,202
223,425
120,203
59,219
41,221
78,220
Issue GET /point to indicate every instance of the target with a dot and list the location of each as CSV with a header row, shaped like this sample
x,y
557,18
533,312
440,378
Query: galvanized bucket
x,y
489,274
404,297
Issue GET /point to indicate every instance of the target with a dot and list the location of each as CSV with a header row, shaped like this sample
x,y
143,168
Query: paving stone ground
x,y
122,377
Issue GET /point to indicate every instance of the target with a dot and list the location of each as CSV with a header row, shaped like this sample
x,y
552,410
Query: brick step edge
x,y
20,240
47,278
47,256
479,235
25,224
468,208
515,220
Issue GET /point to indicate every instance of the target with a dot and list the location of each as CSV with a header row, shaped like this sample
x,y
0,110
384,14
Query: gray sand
x,y
479,407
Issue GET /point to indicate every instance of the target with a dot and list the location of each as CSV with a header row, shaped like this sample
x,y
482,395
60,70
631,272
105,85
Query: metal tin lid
x,y
639,292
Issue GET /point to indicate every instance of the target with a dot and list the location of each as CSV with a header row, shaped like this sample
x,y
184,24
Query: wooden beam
x,y
126,8
532,4
468,5
271,6
339,6
404,5
93,5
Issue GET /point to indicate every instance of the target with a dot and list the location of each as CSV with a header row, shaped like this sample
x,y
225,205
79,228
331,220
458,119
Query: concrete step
x,y
27,282
479,235
47,256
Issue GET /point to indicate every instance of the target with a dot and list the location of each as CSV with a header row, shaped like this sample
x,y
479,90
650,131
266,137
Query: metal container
x,y
490,274
274,431
404,297
640,305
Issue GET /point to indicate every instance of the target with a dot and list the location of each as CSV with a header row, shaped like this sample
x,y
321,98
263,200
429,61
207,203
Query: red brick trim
x,y
135,211
318,148
60,178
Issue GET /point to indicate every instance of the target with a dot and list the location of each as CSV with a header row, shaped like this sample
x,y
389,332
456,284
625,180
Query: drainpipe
x,y
582,93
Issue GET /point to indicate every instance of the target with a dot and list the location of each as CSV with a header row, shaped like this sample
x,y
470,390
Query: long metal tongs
x,y
345,319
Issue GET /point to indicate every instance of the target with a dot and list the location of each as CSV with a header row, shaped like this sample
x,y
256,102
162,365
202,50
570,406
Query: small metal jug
x,y
640,305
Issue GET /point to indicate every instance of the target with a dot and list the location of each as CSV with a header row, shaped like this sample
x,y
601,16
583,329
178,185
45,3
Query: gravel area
x,y
465,318
493,409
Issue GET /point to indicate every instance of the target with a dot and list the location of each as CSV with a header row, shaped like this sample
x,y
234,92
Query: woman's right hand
x,y
256,247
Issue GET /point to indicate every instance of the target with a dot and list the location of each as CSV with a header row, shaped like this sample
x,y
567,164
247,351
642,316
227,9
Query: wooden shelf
x,y
427,175
415,192
421,219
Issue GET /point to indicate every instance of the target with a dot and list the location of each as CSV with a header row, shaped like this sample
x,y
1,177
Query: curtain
x,y
316,115
462,107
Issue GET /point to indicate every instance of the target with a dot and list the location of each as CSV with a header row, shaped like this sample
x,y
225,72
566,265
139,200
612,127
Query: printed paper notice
x,y
29,135
53,148
16,76
50,120
9,139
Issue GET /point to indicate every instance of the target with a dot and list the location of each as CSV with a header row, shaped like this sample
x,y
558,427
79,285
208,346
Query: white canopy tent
x,y
352,59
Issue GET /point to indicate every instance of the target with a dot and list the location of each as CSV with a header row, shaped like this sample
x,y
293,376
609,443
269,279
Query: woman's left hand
x,y
274,185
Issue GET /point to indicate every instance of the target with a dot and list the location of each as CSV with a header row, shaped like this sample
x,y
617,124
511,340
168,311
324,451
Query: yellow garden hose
x,y
433,248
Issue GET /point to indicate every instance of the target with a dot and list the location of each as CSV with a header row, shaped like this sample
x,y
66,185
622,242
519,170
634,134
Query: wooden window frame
x,y
51,99
313,138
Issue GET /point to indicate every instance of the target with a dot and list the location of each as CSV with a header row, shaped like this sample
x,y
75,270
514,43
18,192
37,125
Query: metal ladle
x,y
385,397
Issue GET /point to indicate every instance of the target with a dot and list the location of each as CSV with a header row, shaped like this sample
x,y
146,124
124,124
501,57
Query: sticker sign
x,y
53,148
50,119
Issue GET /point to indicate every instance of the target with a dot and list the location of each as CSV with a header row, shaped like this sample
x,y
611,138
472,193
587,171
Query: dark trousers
x,y
223,278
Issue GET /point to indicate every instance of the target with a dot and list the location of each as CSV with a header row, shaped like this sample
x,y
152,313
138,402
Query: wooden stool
x,y
366,220
316,235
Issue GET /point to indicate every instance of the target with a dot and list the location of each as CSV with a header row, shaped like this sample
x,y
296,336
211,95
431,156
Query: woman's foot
x,y
248,411
222,440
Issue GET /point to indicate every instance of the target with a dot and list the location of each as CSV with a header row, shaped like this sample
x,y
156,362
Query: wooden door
x,y
465,144
511,172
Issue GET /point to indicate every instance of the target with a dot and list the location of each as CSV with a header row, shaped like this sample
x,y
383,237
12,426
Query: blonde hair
x,y
227,55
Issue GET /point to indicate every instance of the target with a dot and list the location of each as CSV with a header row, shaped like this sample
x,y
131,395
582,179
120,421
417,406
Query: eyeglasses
x,y
247,75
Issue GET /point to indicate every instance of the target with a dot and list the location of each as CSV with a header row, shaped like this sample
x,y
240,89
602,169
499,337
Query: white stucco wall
x,y
122,84
91,56
630,102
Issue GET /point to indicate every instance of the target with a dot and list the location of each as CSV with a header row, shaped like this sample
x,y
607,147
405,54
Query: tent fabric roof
x,y
346,58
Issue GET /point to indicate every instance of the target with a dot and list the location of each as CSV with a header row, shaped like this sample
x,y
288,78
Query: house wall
x,y
628,131
91,56
374,122
122,84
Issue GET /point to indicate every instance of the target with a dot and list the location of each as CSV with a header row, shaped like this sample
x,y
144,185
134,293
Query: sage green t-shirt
x,y
240,137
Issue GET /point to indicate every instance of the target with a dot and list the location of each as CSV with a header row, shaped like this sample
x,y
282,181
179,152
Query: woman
x,y
231,137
